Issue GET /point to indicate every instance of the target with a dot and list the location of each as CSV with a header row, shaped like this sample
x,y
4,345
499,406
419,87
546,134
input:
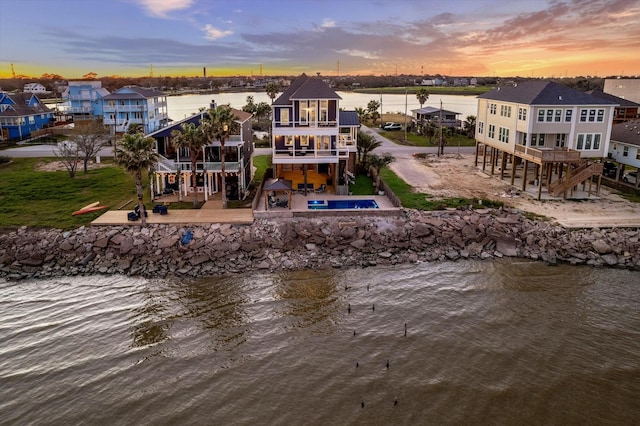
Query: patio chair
x,y
321,189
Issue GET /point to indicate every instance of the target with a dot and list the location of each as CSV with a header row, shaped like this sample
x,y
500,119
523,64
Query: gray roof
x,y
20,105
278,185
432,110
620,101
305,87
138,93
349,118
627,132
543,92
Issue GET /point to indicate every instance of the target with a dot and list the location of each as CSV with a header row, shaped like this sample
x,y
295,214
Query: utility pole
x,y
440,143
405,114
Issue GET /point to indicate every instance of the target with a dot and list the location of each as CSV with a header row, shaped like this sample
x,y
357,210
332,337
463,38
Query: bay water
x,y
469,342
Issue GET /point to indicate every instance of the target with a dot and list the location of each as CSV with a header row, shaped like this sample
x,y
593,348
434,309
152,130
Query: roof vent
x,y
559,98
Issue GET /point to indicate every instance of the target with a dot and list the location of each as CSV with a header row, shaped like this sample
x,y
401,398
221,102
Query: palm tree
x,y
366,144
378,162
135,128
192,138
218,125
136,153
470,126
362,114
422,94
272,90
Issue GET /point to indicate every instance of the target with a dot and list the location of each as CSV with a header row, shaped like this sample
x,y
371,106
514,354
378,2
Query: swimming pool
x,y
341,204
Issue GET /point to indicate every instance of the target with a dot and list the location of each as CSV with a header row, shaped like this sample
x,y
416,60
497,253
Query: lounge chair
x,y
321,189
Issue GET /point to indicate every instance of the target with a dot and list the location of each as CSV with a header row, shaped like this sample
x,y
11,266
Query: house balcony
x,y
79,110
304,123
307,155
124,108
172,166
547,155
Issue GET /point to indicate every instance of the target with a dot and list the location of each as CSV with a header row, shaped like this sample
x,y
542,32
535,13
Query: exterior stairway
x,y
578,175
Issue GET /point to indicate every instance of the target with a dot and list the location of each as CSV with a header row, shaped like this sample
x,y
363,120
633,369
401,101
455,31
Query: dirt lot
x,y
455,175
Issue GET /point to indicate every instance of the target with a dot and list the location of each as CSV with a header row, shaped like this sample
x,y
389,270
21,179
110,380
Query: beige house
x,y
562,133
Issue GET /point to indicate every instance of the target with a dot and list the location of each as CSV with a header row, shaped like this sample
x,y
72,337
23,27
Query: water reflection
x,y
309,298
218,305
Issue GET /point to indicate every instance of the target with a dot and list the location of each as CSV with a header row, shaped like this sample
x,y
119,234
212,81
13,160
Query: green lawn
x,y
415,140
47,199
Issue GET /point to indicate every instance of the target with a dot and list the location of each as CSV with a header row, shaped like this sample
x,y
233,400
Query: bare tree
x,y
89,138
68,153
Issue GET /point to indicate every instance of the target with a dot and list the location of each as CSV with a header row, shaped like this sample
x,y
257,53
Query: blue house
x,y
21,114
135,105
84,99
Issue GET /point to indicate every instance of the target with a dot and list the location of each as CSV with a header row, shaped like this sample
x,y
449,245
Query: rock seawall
x,y
294,243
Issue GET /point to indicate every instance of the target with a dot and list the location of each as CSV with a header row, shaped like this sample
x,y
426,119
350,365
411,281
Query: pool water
x,y
341,204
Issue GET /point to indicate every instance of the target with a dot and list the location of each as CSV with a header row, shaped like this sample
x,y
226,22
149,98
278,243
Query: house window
x,y
324,110
304,140
522,114
592,115
583,115
561,140
588,141
284,116
568,115
537,139
600,115
480,127
625,151
32,119
558,115
492,131
540,115
492,109
307,111
288,141
503,135
505,111
638,154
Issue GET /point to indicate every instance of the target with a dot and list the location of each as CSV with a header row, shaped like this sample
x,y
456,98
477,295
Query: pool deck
x,y
299,206
212,211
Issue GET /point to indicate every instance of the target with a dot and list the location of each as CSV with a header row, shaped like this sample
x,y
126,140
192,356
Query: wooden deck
x,y
179,217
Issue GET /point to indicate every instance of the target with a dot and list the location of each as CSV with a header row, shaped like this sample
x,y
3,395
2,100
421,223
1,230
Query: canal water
x,y
471,342
180,107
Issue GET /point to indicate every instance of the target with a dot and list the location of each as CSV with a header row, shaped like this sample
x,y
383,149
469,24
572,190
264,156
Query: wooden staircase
x,y
578,175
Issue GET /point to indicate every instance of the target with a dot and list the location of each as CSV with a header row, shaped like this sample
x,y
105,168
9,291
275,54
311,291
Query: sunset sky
x,y
534,38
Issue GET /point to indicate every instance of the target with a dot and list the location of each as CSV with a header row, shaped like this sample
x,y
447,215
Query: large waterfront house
x,y
562,132
134,105
625,146
314,143
21,115
84,99
173,171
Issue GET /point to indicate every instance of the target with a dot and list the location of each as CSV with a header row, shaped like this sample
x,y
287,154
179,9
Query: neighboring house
x,y
422,115
625,145
34,88
625,88
550,125
173,171
133,104
84,99
626,109
311,134
22,114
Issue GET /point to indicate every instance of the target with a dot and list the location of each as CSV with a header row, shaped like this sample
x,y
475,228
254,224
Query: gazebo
x,y
277,185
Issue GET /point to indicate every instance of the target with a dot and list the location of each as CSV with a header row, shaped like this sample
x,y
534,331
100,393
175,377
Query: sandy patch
x,y
454,175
